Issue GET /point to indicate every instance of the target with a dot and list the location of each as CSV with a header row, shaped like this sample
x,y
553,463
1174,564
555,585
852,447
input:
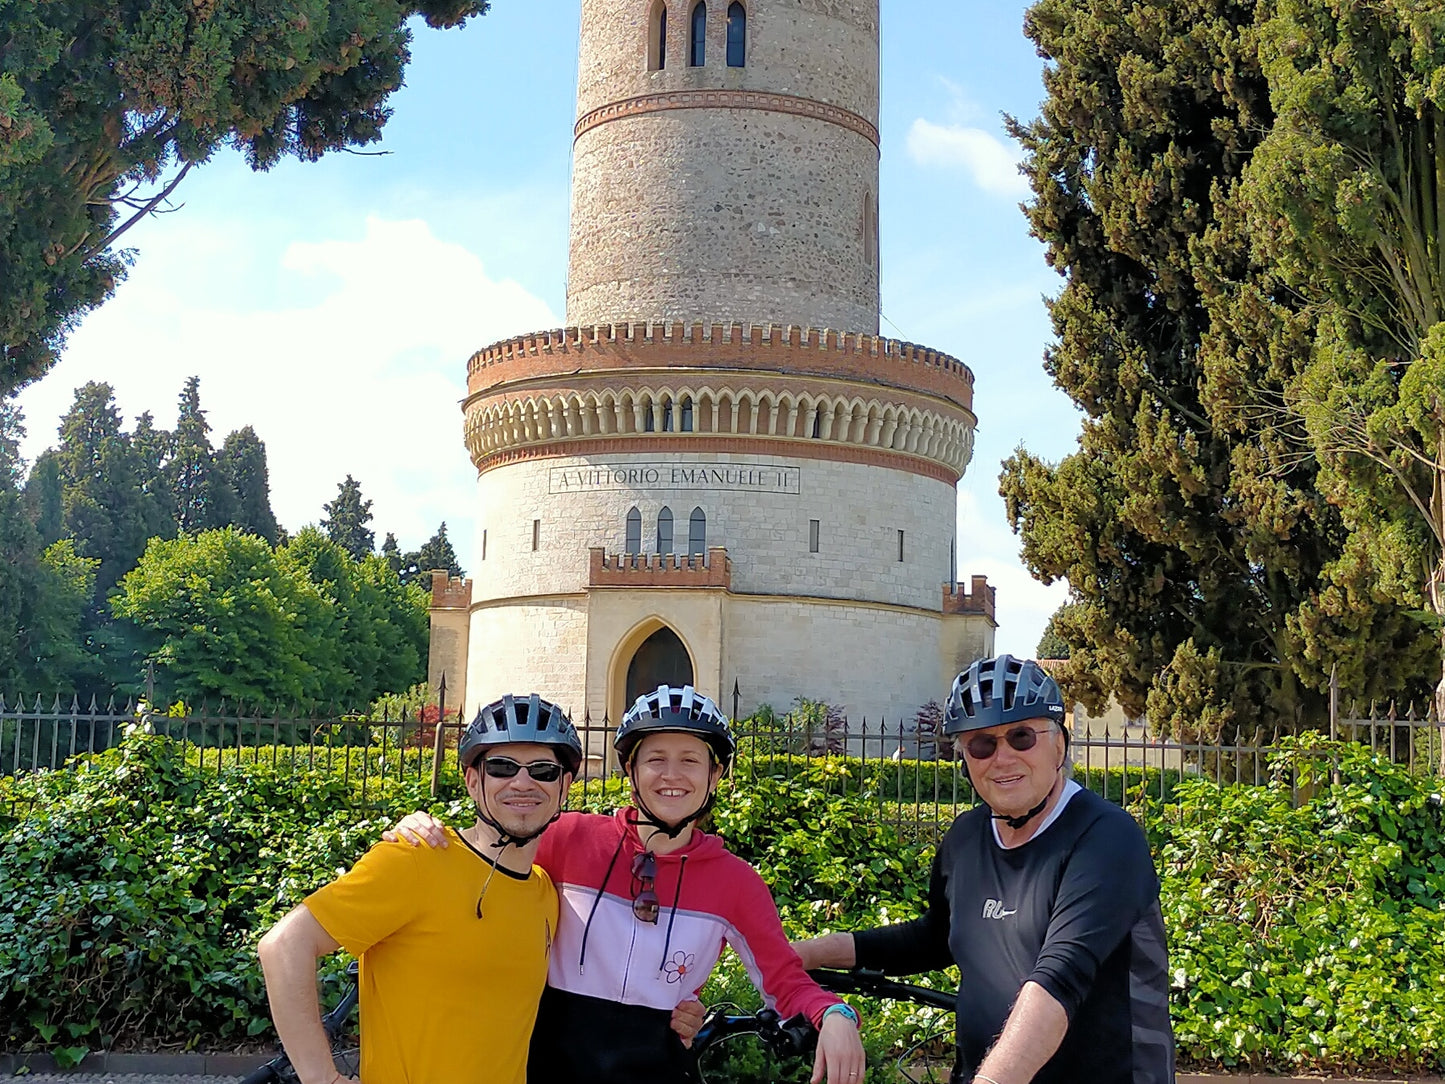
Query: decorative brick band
x,y
643,410
830,453
726,99
660,569
770,347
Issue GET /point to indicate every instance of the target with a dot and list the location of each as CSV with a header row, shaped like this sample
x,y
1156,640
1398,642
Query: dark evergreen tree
x,y
43,592
153,449
203,500
105,107
45,498
100,474
346,520
437,553
241,464
391,552
1193,537
12,431
1052,644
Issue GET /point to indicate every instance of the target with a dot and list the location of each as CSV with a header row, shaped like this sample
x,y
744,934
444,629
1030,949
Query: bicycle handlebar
x,y
876,984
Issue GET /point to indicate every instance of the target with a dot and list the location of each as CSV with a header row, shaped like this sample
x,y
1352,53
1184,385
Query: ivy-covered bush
x,y
1306,916
140,879
1309,935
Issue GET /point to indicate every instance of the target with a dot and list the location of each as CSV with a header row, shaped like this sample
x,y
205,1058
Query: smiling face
x,y
674,774
1012,782
520,804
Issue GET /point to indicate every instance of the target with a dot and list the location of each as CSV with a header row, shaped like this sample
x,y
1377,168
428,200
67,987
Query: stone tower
x,y
718,472
743,193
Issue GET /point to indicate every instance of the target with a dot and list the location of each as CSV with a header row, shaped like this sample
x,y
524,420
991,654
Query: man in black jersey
x,y
1046,898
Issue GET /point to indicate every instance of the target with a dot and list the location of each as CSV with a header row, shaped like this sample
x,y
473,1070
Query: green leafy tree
x,y
379,636
1192,537
1347,201
346,520
222,618
241,465
104,108
203,498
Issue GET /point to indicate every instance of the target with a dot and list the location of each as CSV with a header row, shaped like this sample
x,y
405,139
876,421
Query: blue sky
x,y
333,305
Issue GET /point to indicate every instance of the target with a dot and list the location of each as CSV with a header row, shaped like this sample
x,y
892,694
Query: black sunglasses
x,y
644,899
543,771
1022,738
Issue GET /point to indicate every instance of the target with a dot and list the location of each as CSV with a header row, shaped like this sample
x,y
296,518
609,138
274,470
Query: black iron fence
x,y
905,768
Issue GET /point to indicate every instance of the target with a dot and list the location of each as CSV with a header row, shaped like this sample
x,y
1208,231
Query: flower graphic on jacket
x,y
678,967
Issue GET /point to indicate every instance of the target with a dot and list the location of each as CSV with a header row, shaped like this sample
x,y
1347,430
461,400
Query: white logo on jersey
x,y
995,909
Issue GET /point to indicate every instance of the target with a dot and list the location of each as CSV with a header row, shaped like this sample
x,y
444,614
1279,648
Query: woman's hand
x,y
416,829
686,1020
840,1052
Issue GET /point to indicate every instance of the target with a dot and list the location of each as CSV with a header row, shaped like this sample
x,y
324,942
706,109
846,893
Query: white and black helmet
x,y
675,711
1002,690
521,719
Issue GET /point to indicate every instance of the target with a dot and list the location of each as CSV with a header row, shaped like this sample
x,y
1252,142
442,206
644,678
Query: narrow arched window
x,y
737,35
667,415
634,530
664,531
657,47
697,42
685,421
697,533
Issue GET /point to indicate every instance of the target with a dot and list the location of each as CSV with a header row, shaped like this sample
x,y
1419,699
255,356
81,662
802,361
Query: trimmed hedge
x,y
1302,937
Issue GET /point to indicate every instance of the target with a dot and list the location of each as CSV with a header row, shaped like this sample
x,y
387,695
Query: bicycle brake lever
x,y
797,1035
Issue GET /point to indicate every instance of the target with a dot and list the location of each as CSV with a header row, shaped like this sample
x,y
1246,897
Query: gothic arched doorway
x,y
661,659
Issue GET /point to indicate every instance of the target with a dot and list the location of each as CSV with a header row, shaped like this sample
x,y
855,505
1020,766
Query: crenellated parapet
x,y
659,569
870,359
449,592
977,598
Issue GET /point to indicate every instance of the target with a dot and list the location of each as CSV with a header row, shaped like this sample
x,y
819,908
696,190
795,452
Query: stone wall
x,y
758,507
529,645
872,662
722,193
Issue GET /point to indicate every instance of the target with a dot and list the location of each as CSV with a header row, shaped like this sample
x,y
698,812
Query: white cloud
x,y
363,373
991,163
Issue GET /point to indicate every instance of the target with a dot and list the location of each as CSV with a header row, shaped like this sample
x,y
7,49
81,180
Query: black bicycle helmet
x,y
521,719
1002,690
677,711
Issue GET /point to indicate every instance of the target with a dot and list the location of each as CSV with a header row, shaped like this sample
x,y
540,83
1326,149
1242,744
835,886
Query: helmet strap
x,y
652,820
506,839
1019,822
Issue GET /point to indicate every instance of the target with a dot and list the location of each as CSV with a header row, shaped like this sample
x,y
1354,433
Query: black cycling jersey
x,y
1076,910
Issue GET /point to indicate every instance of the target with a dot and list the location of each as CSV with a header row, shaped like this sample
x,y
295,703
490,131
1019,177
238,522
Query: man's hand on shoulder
x,y
416,829
830,950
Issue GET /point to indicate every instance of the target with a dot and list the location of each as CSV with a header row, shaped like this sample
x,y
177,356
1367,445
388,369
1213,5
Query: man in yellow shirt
x,y
446,934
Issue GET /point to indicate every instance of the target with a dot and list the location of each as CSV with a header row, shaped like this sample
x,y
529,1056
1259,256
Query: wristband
x,y
842,1009
980,1076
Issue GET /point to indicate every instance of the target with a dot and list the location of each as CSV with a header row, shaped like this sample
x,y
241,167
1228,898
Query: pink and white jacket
x,y
614,979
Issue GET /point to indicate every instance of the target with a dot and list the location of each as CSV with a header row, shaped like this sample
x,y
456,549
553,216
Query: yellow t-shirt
x,y
446,997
